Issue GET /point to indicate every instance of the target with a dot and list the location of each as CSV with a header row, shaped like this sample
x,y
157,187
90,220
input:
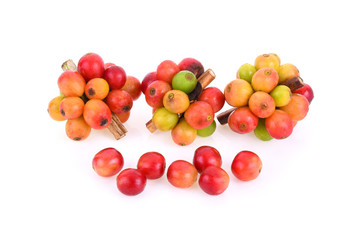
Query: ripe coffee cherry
x,y
182,174
152,165
107,162
206,156
246,165
214,180
91,66
131,181
115,76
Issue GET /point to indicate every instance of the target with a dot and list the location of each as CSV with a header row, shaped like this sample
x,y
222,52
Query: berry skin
x,y
133,87
152,165
155,93
207,131
147,80
97,88
214,180
77,129
279,125
185,81
238,92
183,134
176,101
261,132
182,174
71,84
265,79
246,72
192,65
97,114
297,108
206,156
287,71
119,101
306,91
242,120
214,97
71,107
166,70
164,120
267,60
91,66
131,181
246,166
54,109
261,104
107,162
199,115
115,76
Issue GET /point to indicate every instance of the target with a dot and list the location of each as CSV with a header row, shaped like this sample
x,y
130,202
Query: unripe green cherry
x,y
246,72
185,81
261,132
207,131
281,95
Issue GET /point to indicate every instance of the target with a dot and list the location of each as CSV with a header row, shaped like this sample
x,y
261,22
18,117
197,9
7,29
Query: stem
x,y
196,92
223,117
116,127
294,83
150,125
69,65
206,78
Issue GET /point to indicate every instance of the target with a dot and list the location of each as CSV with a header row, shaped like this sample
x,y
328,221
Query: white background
x,y
309,183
